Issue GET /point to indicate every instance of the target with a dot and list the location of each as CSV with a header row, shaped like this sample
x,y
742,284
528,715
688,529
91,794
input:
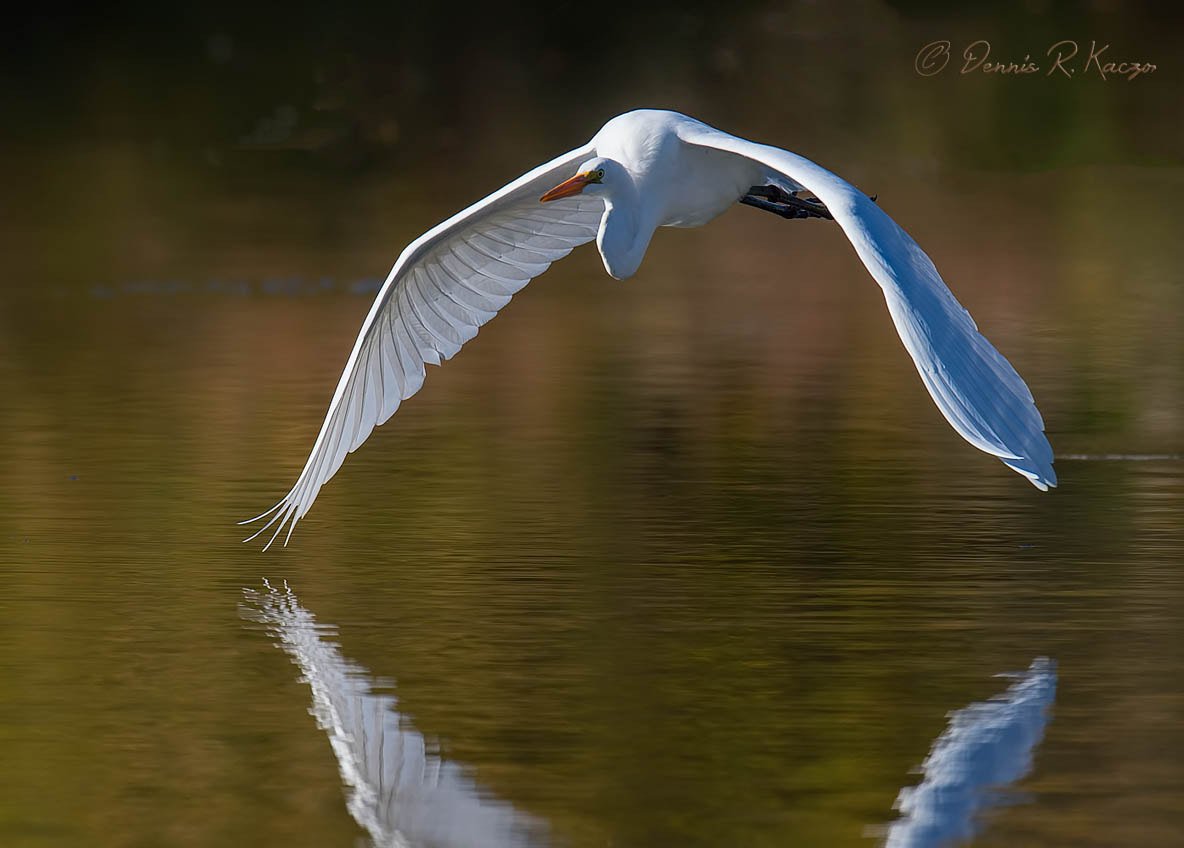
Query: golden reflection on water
x,y
400,788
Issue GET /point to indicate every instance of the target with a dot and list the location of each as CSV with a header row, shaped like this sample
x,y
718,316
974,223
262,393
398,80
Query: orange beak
x,y
568,187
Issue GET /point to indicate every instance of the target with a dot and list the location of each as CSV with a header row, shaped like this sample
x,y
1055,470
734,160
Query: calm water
x,y
689,559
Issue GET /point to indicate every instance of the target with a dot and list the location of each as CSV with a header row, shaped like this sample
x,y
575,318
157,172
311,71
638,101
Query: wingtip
x,y
1043,479
1048,478
261,515
283,511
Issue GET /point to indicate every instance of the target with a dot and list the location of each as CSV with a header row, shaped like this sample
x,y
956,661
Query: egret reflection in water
x,y
985,746
398,790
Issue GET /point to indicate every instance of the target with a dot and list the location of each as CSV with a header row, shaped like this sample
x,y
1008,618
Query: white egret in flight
x,y
643,170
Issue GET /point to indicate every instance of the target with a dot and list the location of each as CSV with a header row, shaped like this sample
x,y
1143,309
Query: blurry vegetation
x,y
359,86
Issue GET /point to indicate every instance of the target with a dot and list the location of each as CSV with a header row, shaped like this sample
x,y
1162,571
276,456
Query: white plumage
x,y
643,170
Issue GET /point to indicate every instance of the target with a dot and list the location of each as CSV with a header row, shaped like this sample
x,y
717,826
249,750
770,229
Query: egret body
x,y
643,170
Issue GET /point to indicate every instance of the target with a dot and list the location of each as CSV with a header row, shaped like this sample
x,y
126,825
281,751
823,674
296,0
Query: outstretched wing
x,y
975,388
445,284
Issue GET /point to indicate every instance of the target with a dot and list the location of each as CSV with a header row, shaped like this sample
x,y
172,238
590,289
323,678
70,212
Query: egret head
x,y
594,176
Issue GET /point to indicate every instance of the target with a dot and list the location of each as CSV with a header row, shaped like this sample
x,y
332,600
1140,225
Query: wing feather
x,y
443,287
443,334
975,387
460,319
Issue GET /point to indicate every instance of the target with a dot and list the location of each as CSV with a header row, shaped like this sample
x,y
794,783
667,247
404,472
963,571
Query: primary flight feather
x,y
643,170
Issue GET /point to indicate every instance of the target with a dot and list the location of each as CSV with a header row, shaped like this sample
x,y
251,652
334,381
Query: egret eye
x,y
600,173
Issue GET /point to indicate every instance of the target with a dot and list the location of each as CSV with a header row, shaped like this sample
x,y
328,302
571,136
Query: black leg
x,y
789,212
771,192
780,202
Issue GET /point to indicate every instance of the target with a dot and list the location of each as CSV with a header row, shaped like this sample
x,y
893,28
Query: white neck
x,y
623,236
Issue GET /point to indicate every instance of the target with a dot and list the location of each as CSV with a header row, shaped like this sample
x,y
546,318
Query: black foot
x,y
780,202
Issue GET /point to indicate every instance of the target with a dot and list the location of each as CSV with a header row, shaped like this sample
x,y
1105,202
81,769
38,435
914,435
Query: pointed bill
x,y
568,187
